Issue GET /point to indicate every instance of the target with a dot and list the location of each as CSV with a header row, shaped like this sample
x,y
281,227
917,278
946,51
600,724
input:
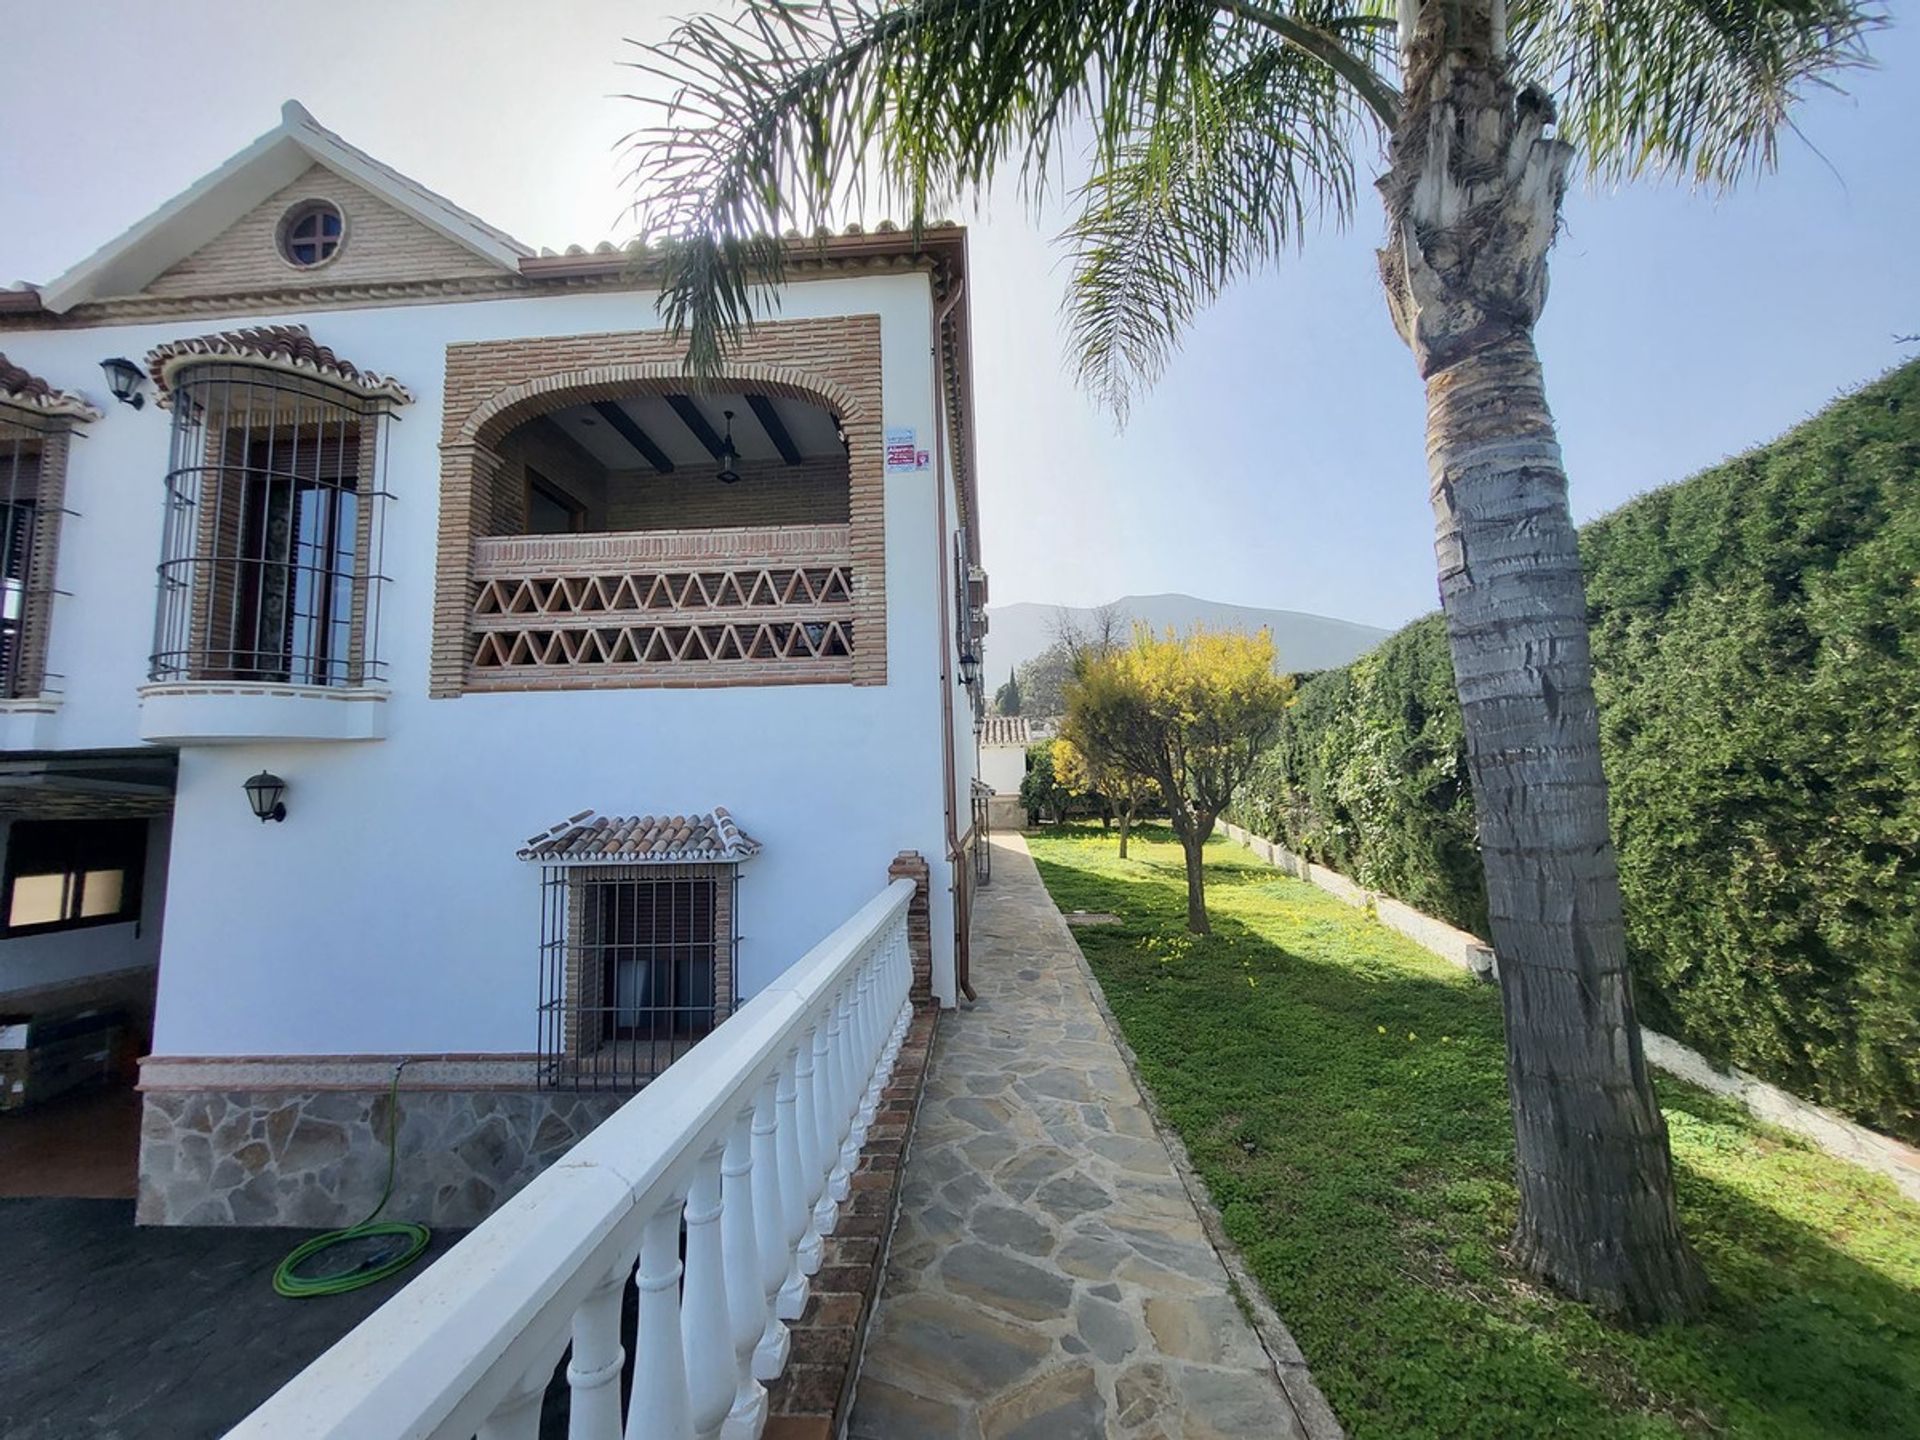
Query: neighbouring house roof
x,y
591,839
1006,730
282,347
27,391
130,261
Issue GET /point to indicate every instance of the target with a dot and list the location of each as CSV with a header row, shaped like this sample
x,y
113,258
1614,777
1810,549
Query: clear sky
x,y
1281,461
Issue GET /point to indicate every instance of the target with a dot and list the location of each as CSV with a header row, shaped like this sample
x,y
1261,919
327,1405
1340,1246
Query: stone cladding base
x,y
318,1158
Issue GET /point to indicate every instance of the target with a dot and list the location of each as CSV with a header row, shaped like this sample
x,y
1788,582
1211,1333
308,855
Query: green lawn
x,y
1342,1093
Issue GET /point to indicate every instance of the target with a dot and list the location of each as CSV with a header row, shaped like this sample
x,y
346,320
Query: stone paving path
x,y
1050,1278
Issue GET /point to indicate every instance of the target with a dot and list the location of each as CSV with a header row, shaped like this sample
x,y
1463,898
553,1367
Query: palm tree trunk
x,y
1473,200
1596,1185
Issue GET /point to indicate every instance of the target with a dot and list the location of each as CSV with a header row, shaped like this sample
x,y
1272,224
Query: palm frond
x,y
1215,184
785,110
1696,89
788,108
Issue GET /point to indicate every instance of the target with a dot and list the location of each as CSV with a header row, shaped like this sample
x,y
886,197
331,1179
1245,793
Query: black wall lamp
x,y
969,668
124,377
263,794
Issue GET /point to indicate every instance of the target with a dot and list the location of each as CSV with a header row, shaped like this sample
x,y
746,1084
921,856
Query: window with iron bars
x,y
270,568
32,476
636,967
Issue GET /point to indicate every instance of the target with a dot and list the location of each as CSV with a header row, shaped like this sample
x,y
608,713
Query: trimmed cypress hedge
x,y
1756,643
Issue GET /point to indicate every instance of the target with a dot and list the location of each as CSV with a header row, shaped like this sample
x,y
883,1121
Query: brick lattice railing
x,y
748,605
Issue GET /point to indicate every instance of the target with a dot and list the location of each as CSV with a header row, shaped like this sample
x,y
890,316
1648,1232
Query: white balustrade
x,y
744,1146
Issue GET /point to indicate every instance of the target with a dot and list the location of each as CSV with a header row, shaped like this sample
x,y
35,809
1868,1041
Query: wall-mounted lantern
x,y
728,454
125,377
263,794
969,668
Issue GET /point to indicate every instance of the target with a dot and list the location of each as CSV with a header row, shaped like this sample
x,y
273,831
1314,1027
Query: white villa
x,y
404,659
1003,765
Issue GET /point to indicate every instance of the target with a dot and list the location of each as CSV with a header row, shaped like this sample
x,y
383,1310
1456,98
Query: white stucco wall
x,y
388,913
1003,767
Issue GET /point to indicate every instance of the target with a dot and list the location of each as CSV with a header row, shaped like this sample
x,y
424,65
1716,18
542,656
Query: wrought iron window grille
x,y
32,463
271,562
637,965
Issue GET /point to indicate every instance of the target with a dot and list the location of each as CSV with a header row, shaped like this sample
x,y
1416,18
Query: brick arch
x,y
514,405
493,386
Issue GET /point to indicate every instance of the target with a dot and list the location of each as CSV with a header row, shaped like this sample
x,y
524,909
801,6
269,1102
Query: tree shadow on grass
x,y
1345,1101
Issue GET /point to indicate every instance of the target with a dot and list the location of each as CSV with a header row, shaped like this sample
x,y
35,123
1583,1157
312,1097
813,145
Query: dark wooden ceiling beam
x,y
691,417
624,427
775,427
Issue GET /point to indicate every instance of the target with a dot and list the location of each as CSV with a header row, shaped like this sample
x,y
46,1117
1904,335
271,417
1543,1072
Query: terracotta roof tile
x,y
1006,730
29,392
592,839
640,248
284,347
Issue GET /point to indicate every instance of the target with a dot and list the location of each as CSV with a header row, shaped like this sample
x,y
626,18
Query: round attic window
x,y
311,233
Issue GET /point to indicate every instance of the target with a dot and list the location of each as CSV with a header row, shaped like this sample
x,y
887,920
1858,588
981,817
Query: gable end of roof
x,y
129,262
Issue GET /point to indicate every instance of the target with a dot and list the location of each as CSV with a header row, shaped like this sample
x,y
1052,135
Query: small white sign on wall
x,y
903,452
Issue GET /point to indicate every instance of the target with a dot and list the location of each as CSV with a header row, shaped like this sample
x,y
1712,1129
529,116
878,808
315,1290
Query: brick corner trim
x,y
912,865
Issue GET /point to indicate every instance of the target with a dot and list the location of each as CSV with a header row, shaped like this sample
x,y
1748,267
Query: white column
x,y
850,1079
593,1372
770,1225
747,1307
517,1416
706,1329
798,1142
867,1036
659,1407
826,1204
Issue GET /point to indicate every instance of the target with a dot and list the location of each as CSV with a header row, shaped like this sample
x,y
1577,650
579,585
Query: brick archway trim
x,y
519,403
494,385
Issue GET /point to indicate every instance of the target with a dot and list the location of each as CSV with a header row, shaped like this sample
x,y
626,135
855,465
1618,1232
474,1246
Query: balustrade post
x,y
517,1416
867,1046
659,1408
798,1178
746,1301
706,1329
770,1223
902,971
593,1372
881,1061
848,1079
826,1205
880,989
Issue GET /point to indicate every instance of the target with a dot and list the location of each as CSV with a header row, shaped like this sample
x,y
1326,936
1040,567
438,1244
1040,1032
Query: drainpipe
x,y
962,949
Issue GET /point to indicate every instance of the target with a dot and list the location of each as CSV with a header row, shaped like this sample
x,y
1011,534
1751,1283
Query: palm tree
x,y
1216,133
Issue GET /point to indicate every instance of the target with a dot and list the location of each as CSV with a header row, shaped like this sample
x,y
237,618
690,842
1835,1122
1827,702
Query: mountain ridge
x,y
1305,641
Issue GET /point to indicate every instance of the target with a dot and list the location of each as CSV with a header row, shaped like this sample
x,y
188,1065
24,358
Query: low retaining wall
x,y
1833,1133
227,1152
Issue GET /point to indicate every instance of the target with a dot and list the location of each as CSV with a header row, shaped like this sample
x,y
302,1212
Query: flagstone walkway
x,y
1050,1278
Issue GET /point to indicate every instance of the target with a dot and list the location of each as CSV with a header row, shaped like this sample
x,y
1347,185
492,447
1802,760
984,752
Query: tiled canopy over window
x,y
36,423
637,942
270,568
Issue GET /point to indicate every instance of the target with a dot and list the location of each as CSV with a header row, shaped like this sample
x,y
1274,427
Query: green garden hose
x,y
380,1264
